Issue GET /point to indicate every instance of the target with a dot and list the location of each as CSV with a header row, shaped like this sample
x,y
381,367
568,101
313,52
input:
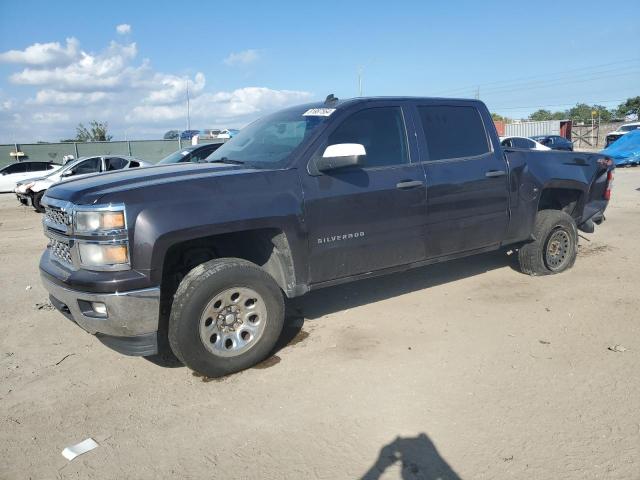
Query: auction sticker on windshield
x,y
318,112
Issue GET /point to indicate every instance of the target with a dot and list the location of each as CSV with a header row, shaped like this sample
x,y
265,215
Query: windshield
x,y
268,142
628,128
175,157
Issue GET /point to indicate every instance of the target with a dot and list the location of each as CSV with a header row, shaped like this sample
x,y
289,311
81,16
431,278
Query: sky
x,y
129,63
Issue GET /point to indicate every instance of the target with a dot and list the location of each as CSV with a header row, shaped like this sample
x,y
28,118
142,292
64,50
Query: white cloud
x,y
44,54
57,97
50,117
244,57
110,69
70,85
219,108
123,29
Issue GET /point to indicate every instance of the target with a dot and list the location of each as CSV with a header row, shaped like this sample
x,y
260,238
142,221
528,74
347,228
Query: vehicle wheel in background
x,y
227,315
37,198
555,246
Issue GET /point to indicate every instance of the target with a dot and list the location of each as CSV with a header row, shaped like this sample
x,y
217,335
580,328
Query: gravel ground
x,y
461,370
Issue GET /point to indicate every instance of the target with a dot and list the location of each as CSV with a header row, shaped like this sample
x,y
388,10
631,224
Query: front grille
x,y
61,251
57,216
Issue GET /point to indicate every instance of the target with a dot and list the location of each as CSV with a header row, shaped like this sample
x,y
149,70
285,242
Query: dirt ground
x,y
461,370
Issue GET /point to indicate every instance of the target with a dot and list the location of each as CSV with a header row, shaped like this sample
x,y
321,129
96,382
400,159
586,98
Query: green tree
x,y
540,115
499,118
97,132
631,105
583,112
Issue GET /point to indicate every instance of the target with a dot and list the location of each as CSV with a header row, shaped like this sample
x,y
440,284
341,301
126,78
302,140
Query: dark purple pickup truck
x,y
204,255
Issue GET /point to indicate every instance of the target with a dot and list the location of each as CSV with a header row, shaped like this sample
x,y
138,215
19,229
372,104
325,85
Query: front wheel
x,y
555,244
36,201
227,315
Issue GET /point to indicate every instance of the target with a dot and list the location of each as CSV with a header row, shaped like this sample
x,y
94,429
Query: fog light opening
x,y
99,308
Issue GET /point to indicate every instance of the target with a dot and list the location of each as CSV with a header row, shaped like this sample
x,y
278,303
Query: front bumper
x,y
130,325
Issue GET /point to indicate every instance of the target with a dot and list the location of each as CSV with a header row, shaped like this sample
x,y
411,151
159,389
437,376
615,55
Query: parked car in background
x,y
620,131
189,134
522,142
30,191
228,133
172,135
554,142
192,153
12,174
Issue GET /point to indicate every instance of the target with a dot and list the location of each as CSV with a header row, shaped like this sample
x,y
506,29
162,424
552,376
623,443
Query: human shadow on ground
x,y
418,458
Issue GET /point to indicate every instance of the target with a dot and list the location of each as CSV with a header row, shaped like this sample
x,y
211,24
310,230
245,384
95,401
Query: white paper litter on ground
x,y
79,448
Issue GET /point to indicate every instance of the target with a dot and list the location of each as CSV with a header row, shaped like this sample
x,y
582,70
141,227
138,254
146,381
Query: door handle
x,y
407,184
495,173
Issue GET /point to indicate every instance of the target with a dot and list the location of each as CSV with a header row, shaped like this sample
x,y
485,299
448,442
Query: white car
x,y
14,173
30,191
522,142
620,131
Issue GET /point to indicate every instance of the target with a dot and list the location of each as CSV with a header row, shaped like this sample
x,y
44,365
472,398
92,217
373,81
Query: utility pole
x,y
478,93
360,81
188,108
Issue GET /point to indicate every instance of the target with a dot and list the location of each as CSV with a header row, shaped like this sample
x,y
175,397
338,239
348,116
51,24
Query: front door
x,y
369,217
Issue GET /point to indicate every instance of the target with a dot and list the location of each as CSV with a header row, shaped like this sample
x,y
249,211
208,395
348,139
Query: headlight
x,y
99,221
103,254
24,187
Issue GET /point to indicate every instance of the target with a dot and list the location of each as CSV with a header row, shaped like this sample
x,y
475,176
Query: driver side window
x,y
382,132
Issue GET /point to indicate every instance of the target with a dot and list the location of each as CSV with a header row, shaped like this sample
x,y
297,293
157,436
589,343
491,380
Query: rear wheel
x,y
555,246
227,315
37,198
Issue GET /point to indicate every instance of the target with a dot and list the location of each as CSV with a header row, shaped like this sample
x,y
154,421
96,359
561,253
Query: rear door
x,y
467,197
370,217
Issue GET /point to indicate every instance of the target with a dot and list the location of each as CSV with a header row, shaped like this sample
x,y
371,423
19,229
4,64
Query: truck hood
x,y
89,189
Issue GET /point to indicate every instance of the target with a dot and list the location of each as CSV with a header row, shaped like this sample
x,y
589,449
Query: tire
x,y
555,246
37,198
204,307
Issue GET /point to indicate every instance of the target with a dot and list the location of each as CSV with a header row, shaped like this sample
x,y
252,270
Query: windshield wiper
x,y
228,161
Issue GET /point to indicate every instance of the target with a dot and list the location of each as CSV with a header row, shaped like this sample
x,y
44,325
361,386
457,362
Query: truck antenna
x,y
331,99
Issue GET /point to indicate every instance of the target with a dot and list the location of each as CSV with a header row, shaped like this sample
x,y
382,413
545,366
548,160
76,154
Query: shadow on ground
x,y
322,302
350,295
418,458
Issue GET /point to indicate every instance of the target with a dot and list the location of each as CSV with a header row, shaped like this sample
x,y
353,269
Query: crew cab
x,y
202,256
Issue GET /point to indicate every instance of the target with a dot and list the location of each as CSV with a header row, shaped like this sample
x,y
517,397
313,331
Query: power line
x,y
558,82
545,75
557,104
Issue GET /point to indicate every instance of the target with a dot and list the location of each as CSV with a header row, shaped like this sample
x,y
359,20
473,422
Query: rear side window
x,y
521,143
38,166
15,168
115,163
204,152
453,132
381,131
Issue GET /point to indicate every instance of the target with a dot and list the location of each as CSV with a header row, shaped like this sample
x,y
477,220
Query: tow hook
x,y
587,227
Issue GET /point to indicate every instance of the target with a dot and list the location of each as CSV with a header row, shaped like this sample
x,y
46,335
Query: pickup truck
x,y
201,257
